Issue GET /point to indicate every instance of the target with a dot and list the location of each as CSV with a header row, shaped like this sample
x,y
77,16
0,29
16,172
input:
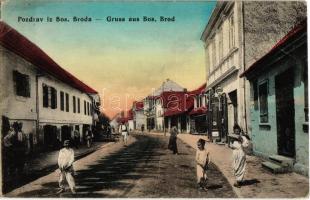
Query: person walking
x,y
173,140
124,131
203,161
76,139
88,137
239,156
65,164
142,128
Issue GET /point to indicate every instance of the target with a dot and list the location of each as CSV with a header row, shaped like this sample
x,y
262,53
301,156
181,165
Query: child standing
x,y
65,164
202,160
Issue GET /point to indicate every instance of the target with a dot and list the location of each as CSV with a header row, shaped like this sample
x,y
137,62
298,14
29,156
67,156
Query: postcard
x,y
154,99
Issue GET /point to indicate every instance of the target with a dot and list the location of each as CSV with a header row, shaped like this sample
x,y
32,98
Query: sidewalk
x,y
47,184
44,163
260,183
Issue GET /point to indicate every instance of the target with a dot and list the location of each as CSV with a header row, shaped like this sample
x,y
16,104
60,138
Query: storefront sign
x,y
215,134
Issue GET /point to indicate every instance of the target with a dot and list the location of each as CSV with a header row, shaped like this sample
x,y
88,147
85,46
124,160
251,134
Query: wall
x,y
12,106
49,115
140,119
216,68
231,59
159,115
266,22
130,125
265,141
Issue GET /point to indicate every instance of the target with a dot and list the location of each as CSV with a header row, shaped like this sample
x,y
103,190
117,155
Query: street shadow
x,y
183,154
116,172
249,182
214,186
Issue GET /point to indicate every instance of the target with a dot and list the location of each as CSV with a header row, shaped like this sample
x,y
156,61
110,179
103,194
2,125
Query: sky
x,y
123,61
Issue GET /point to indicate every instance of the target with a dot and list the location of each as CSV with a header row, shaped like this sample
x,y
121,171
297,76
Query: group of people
x,y
14,150
89,137
203,158
238,143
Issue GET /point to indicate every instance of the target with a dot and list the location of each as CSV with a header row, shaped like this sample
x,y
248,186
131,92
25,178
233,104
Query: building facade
x,y
279,100
37,92
199,115
177,106
154,105
139,119
223,50
237,34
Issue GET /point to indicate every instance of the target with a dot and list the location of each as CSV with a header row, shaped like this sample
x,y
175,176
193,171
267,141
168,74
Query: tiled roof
x,y
200,90
138,105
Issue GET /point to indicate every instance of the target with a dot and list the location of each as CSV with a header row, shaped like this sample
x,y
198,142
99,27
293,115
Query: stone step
x,y
282,160
275,168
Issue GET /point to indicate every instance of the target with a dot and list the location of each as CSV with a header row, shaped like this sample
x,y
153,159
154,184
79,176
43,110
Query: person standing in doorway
x,y
124,131
142,128
65,164
76,139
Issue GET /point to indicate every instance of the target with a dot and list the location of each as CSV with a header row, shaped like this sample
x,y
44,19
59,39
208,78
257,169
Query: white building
x,y
130,119
49,101
223,51
114,123
159,110
139,117
153,104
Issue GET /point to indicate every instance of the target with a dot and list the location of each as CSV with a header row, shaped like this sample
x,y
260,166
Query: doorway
x,y
50,136
65,133
285,110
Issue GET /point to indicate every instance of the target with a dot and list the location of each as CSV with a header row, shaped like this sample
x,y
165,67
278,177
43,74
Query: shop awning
x,y
199,111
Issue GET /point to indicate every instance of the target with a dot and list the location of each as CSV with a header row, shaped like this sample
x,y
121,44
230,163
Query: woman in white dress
x,y
239,156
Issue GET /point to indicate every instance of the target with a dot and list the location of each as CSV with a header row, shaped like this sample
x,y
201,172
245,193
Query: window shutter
x,y
53,98
45,95
27,86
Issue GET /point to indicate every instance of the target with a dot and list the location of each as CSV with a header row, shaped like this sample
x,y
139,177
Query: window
x,y
45,95
197,101
87,108
208,64
231,32
53,98
49,97
85,112
79,106
255,95
62,101
74,104
220,44
213,53
90,108
67,102
22,84
263,101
